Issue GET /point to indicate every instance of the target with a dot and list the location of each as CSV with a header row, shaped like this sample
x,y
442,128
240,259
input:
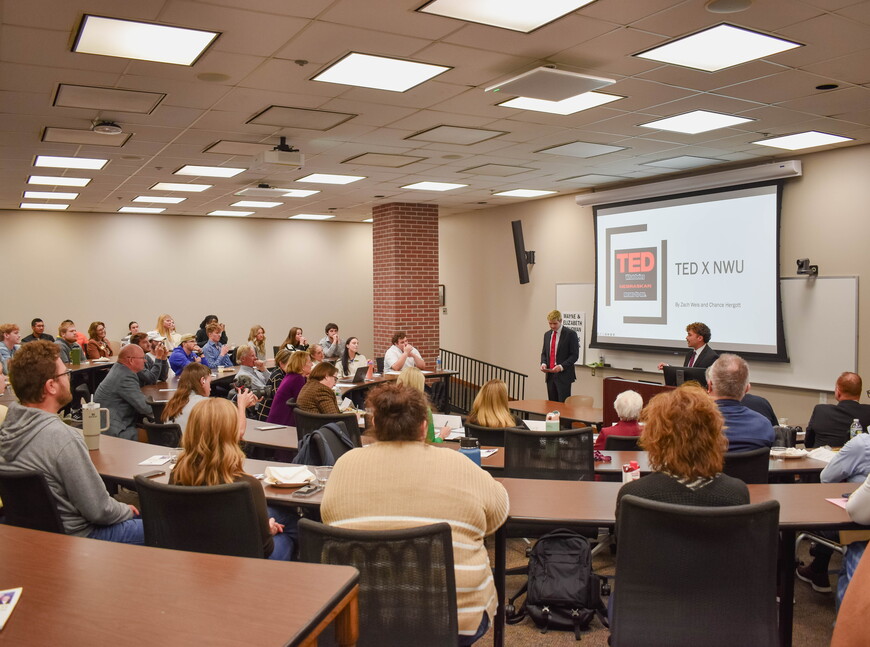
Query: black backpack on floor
x,y
563,592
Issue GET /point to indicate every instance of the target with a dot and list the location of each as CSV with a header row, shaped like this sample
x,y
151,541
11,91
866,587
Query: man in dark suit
x,y
560,352
829,424
697,337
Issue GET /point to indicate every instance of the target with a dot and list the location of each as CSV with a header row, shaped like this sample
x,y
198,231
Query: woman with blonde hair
x,y
97,345
298,368
490,407
211,456
166,328
413,377
257,341
194,385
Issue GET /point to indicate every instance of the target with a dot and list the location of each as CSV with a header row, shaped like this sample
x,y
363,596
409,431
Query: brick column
x,y
405,265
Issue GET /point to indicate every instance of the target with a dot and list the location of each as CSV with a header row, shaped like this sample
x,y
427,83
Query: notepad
x,y
485,453
159,459
8,600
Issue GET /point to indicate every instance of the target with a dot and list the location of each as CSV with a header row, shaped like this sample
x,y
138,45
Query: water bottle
x,y
471,448
855,428
438,364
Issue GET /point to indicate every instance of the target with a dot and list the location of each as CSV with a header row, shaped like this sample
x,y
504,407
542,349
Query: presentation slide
x,y
662,264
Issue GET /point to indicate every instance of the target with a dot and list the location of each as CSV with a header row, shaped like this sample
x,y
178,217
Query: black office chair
x,y
691,575
307,421
164,434
28,502
566,455
218,519
81,392
407,585
489,436
749,467
275,350
328,447
621,443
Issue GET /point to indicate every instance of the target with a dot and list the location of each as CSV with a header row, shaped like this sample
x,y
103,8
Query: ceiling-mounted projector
x,y
262,191
549,84
282,155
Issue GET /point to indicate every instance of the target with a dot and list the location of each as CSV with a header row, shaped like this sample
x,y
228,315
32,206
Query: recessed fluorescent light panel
x,y
565,106
221,212
311,216
141,41
50,206
142,209
55,180
717,48
209,171
518,15
256,204
809,139
298,193
70,162
524,193
433,186
379,72
697,121
186,188
49,195
327,178
158,199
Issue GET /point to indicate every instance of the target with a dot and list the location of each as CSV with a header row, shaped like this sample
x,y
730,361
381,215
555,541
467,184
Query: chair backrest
x,y
218,519
28,502
693,575
328,444
579,400
749,467
81,392
306,422
379,361
165,434
275,350
565,455
490,436
621,443
407,585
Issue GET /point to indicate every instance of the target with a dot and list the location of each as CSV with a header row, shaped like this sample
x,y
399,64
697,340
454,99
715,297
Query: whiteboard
x,y
820,320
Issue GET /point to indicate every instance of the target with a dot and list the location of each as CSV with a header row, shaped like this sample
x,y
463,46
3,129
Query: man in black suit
x,y
701,356
829,424
560,352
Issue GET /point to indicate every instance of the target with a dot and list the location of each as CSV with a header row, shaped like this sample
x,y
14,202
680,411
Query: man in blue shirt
x,y
214,352
727,383
185,353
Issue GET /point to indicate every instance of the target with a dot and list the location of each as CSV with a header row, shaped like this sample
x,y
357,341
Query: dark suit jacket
x,y
829,424
760,405
705,359
567,353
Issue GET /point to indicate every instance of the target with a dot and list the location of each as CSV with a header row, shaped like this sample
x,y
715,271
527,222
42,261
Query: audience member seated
x,y
490,407
351,358
166,329
38,327
402,354
120,393
186,353
33,437
11,335
252,367
628,405
331,343
215,352
298,368
316,352
66,341
295,340
760,405
81,340
317,395
98,346
202,334
211,456
194,384
3,407
156,367
850,465
282,357
132,329
412,376
257,341
427,484
829,424
727,383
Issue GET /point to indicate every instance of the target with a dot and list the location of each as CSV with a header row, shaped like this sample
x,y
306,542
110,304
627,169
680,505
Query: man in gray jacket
x,y
121,395
34,438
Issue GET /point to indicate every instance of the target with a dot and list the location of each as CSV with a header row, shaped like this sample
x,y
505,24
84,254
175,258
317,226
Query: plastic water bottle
x,y
438,364
855,428
471,448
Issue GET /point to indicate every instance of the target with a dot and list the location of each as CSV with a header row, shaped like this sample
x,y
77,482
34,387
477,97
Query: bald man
x,y
120,393
829,424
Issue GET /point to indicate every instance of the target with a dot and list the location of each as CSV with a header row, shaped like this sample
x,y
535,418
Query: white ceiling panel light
x,y
568,106
141,209
311,216
156,199
379,72
331,178
50,161
717,48
524,193
697,121
224,212
809,139
517,15
48,206
141,41
49,195
298,193
433,186
54,180
185,188
550,84
209,171
256,204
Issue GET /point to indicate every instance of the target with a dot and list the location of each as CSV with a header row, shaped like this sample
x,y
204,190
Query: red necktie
x,y
692,359
553,350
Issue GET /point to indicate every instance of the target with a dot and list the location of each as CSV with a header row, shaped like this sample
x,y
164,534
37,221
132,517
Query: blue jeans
x,y
854,551
284,542
125,532
465,641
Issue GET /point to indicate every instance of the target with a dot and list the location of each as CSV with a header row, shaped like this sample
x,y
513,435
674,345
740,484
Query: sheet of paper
x,y
391,372
8,599
162,390
456,434
484,453
441,419
536,425
271,427
159,459
822,454
841,502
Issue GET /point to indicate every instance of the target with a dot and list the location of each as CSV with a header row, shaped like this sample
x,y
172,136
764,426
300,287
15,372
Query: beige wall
x,y
119,267
825,216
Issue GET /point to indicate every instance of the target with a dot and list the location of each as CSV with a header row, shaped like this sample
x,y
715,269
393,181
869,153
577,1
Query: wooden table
x,y
83,592
586,415
346,386
802,506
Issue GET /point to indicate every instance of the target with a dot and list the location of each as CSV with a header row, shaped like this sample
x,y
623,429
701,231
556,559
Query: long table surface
x,y
83,592
571,413
776,466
